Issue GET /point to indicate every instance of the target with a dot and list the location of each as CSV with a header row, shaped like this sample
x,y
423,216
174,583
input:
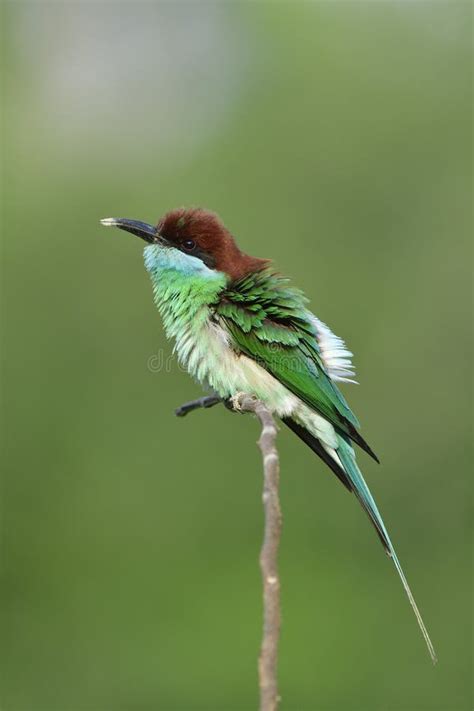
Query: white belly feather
x,y
208,356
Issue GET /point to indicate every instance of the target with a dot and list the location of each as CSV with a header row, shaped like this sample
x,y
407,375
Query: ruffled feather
x,y
335,356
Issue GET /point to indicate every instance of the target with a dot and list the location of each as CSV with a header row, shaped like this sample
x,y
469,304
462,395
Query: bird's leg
x,y
206,401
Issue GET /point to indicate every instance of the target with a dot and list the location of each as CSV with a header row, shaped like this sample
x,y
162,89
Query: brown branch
x,y
267,663
268,660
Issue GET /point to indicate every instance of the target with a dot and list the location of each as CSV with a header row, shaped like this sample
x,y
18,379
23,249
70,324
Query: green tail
x,y
361,490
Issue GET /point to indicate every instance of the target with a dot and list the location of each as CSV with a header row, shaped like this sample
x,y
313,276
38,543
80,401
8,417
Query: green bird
x,y
240,327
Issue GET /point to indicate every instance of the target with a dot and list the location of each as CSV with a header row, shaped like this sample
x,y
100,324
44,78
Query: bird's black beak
x,y
147,232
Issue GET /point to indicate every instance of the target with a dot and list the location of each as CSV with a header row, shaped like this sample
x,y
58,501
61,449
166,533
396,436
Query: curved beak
x,y
140,229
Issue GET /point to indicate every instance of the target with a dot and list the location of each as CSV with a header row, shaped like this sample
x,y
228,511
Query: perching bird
x,y
240,327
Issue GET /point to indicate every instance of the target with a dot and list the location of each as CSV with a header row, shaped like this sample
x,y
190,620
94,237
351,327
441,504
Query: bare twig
x,y
206,401
267,665
268,660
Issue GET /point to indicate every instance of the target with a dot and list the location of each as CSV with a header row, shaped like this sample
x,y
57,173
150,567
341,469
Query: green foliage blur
x,y
335,138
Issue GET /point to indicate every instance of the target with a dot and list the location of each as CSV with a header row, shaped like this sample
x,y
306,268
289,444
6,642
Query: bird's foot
x,y
236,402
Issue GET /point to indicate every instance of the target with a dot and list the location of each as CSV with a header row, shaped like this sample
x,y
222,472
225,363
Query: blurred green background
x,y
334,137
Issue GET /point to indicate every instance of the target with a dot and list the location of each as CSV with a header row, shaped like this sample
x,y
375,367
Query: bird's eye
x,y
189,245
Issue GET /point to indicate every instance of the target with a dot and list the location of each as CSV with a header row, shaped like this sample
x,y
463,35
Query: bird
x,y
239,326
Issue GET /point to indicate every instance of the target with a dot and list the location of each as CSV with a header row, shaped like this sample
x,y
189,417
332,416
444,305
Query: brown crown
x,y
214,243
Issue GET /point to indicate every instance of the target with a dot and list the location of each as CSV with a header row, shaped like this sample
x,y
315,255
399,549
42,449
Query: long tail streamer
x,y
361,490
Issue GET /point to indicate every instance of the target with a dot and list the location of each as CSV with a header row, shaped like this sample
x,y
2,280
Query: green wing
x,y
269,322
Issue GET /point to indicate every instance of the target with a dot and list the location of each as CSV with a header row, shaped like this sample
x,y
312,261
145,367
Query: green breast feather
x,y
269,322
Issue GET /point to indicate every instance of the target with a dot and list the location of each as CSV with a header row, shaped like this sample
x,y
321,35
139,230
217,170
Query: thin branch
x,y
268,660
206,401
267,665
